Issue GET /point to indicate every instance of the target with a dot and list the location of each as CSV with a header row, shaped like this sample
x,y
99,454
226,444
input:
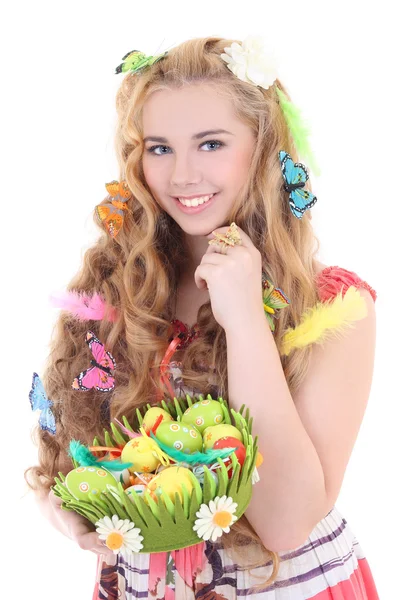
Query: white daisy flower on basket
x,y
120,535
215,518
251,61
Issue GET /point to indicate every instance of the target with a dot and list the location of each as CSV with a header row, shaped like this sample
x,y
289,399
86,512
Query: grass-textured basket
x,y
168,525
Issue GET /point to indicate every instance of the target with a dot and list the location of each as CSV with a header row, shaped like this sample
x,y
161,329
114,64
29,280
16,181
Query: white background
x,y
340,65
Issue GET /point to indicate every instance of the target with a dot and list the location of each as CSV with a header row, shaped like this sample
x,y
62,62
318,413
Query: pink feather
x,y
131,434
82,305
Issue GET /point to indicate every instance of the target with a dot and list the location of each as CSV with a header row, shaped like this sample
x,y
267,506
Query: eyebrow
x,y
197,136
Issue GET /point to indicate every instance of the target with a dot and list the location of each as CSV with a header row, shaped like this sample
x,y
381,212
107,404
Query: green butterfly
x,y
136,60
273,299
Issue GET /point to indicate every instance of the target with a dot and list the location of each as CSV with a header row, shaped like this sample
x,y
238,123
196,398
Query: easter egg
x,y
181,436
142,479
170,480
212,434
121,476
83,481
139,489
198,472
152,416
140,452
204,414
231,442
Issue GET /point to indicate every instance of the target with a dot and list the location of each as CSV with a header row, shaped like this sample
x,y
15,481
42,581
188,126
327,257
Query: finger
x,y
218,249
91,541
202,275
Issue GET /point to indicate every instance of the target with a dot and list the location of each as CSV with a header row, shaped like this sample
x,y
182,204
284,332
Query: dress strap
x,y
331,280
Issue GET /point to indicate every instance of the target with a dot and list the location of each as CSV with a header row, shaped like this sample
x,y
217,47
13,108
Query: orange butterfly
x,y
111,213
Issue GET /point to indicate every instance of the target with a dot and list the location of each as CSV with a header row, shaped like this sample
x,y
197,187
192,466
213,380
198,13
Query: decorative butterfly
x,y
295,176
112,213
136,60
39,401
99,376
230,238
273,299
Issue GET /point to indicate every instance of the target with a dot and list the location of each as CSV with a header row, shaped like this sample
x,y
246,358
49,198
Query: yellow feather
x,y
325,319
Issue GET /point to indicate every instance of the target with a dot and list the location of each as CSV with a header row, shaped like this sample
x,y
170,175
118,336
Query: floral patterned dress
x,y
329,565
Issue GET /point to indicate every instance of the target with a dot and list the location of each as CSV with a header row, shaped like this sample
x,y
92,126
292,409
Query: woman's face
x,y
181,160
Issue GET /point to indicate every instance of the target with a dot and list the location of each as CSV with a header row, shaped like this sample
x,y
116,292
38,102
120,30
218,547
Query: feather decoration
x,y
82,455
324,320
208,457
83,306
299,130
129,433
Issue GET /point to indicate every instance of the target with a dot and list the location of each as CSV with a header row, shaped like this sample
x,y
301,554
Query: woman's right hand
x,y
76,527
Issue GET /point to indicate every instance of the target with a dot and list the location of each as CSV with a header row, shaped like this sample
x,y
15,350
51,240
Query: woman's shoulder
x,y
332,279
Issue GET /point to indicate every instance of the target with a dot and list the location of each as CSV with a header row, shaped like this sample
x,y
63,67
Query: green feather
x,y
208,457
299,130
82,455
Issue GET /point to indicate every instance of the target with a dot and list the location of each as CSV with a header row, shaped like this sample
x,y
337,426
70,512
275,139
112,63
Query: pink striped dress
x,y
329,565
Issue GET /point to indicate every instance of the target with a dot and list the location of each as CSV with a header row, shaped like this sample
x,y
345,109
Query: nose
x,y
184,172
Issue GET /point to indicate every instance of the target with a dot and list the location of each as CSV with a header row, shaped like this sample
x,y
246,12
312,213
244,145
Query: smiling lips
x,y
195,201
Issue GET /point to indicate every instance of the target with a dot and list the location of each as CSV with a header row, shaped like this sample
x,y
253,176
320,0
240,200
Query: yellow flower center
x,y
222,518
114,541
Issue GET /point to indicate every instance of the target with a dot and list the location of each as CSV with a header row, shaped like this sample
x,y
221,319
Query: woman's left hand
x,y
233,276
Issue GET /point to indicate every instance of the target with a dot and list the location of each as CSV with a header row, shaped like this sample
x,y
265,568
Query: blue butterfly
x,y
39,401
295,176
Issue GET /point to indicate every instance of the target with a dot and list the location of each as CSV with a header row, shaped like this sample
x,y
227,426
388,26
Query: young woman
x,y
202,141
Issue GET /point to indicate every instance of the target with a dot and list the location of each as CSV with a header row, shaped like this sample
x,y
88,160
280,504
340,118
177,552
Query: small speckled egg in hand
x,y
204,414
140,451
152,415
212,434
83,481
181,436
170,480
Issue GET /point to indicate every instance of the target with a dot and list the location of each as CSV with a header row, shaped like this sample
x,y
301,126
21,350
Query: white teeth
x,y
195,201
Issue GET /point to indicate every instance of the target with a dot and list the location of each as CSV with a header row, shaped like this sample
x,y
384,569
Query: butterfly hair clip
x,y
273,299
295,176
39,401
135,61
100,374
112,213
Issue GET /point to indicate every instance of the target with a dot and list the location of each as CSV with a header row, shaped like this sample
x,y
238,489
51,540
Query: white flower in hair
x,y
251,61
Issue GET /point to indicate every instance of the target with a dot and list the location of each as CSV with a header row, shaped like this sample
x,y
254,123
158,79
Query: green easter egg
x,y
204,414
180,436
83,481
212,434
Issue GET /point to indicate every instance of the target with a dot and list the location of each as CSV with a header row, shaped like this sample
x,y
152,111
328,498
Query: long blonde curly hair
x,y
138,271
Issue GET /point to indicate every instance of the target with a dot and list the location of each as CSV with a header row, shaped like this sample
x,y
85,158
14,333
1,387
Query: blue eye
x,y
152,149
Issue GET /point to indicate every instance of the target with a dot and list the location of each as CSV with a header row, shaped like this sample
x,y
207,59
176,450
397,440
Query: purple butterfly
x,y
99,375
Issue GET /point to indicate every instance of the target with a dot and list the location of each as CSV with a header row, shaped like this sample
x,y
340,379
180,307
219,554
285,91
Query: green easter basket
x,y
167,524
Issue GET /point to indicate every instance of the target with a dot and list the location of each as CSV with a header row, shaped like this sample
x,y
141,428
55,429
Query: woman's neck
x,y
189,299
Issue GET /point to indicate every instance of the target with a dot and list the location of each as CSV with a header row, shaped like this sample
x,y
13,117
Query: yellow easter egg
x,y
170,480
214,433
153,414
140,452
